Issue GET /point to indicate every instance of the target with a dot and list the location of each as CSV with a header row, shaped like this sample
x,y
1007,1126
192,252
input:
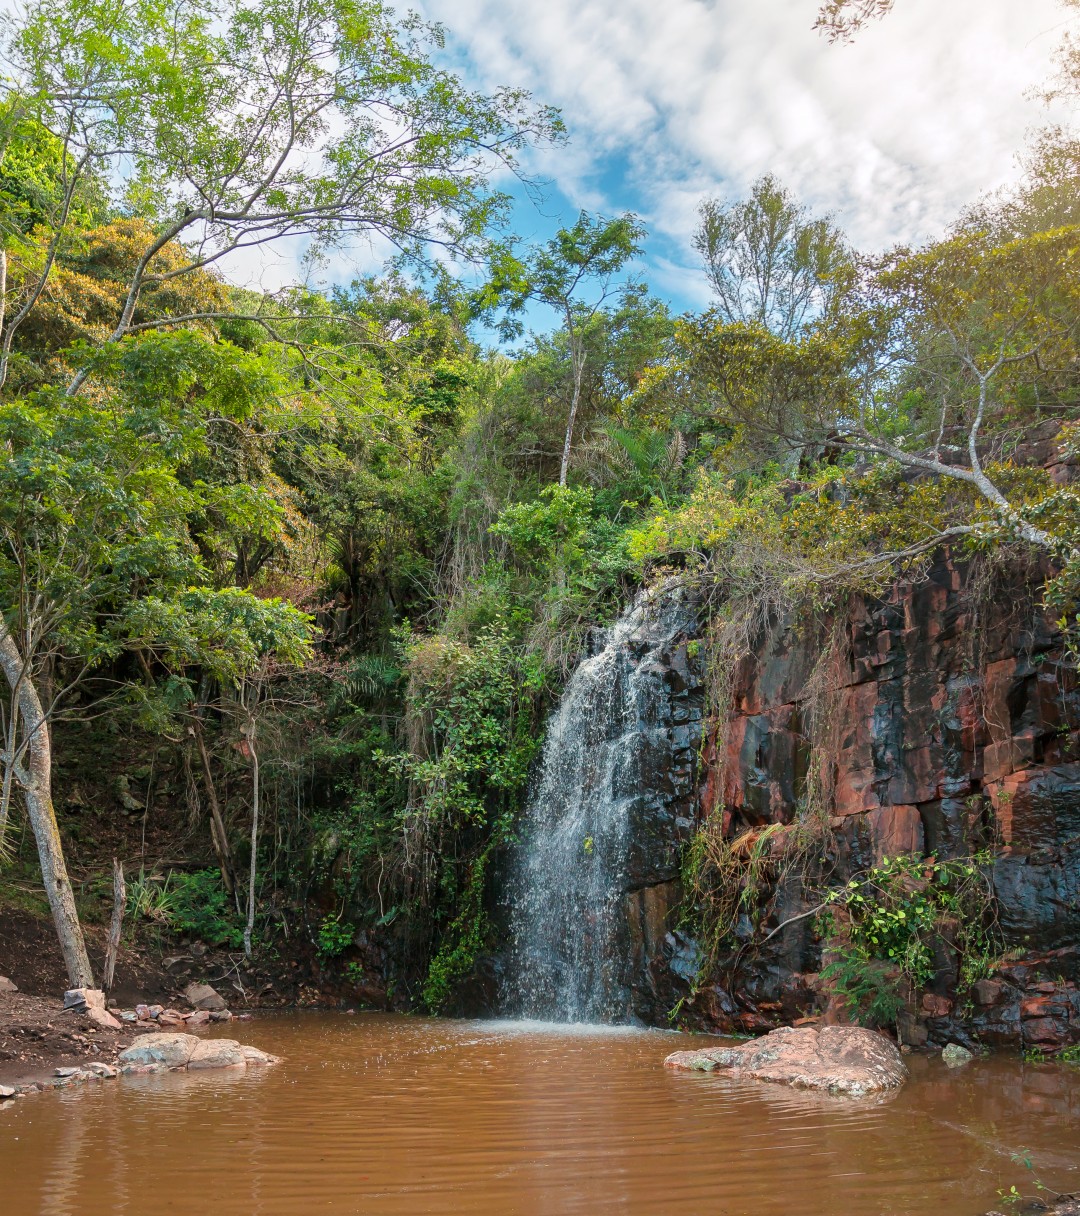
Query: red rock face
x,y
953,726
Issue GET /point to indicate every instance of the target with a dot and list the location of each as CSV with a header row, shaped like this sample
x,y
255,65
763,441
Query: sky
x,y
667,103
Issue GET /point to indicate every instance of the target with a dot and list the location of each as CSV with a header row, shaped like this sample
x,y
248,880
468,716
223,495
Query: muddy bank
x,y
37,1037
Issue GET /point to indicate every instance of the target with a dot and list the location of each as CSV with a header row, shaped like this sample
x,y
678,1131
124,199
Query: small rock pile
x,y
207,1006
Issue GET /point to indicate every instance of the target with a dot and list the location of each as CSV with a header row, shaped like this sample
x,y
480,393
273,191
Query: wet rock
x,y
987,992
956,1056
100,1069
6,985
172,1050
199,1018
220,1015
217,1053
6,1091
175,1051
842,1060
202,996
252,1055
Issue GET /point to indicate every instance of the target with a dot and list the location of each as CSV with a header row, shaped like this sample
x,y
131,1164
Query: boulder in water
x,y
956,1056
846,1060
175,1051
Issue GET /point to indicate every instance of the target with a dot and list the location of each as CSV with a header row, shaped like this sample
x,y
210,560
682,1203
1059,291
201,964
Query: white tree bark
x,y
34,774
249,734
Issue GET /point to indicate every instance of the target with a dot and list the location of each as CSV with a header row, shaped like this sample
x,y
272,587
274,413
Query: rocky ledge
x,y
843,1060
172,1052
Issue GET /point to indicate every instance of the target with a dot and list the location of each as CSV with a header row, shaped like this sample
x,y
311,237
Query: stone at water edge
x,y
955,1056
202,996
7,985
218,1053
843,1060
172,1050
199,1018
175,1051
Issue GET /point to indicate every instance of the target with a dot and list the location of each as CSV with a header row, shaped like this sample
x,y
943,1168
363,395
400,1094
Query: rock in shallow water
x,y
954,1055
844,1060
175,1051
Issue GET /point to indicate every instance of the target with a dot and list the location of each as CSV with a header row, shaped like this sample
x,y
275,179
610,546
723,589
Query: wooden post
x,y
119,900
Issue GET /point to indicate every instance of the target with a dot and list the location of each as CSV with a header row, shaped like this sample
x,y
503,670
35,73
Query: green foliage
x,y
887,927
871,987
149,897
461,943
334,937
195,904
200,907
478,742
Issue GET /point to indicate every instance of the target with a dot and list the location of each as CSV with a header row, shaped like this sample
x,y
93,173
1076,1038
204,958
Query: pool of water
x,y
403,1116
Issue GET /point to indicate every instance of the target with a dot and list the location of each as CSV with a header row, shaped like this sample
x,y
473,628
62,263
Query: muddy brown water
x,y
403,1116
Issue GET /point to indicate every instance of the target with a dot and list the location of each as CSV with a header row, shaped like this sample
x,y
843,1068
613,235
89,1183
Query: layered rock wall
x,y
946,722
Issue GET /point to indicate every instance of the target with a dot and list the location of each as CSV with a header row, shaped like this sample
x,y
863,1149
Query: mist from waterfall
x,y
568,888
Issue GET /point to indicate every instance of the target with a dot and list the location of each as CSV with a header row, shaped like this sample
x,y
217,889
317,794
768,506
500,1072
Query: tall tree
x,y
769,262
590,254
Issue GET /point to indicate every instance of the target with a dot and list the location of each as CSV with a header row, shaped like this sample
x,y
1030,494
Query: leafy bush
x,y
335,936
200,907
896,919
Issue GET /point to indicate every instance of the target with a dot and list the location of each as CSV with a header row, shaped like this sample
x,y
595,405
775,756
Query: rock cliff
x,y
952,726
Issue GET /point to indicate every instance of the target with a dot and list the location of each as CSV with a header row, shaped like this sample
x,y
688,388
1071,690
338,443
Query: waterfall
x,y
567,893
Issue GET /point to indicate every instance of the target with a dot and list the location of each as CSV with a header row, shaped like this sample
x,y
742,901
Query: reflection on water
x,y
404,1116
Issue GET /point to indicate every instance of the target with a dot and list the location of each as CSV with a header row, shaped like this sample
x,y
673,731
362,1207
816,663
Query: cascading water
x,y
568,891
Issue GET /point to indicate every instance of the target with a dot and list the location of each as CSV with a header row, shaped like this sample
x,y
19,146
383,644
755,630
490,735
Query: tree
x,y
769,263
98,523
594,249
231,125
967,342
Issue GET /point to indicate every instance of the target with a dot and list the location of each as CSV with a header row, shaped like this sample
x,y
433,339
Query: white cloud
x,y
895,133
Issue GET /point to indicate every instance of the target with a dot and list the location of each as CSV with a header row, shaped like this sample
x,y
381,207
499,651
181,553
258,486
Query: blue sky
x,y
668,103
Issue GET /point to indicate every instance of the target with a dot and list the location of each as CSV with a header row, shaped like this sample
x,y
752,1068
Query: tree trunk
x,y
250,737
217,825
35,777
577,360
115,926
